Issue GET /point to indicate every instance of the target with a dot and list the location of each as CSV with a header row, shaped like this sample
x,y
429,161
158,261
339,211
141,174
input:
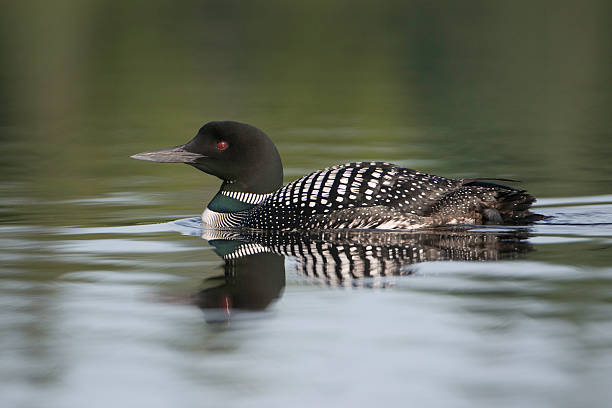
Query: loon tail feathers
x,y
511,207
484,202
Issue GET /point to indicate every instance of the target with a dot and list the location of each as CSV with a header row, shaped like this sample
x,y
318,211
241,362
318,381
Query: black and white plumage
x,y
376,195
363,195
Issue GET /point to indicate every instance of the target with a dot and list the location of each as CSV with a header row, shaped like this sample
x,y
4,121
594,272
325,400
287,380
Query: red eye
x,y
222,145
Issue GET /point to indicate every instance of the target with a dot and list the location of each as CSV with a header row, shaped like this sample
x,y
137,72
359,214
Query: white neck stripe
x,y
250,198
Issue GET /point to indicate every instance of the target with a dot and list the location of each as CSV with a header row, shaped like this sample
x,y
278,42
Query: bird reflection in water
x,y
254,272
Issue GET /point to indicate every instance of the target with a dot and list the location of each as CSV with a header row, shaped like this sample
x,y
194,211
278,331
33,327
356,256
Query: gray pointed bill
x,y
176,154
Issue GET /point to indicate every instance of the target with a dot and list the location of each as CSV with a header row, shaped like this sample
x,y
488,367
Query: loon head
x,y
241,155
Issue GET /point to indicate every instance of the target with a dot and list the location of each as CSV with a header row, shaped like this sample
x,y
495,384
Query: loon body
x,y
362,195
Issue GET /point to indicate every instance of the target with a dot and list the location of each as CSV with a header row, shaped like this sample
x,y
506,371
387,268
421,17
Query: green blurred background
x,y
514,89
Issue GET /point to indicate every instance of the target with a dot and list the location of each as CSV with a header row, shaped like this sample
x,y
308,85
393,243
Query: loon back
x,y
361,195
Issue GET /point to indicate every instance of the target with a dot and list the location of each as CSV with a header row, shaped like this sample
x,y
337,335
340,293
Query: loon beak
x,y
176,154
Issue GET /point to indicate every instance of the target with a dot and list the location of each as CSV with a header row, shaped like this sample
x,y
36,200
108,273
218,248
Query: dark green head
x,y
241,155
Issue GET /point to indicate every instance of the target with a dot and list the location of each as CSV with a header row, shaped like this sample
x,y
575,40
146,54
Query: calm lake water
x,y
111,293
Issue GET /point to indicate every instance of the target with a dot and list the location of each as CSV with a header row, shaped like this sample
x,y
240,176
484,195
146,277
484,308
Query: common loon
x,y
362,195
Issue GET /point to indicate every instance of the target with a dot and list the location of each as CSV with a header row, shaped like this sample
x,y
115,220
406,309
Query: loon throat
x,y
228,209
